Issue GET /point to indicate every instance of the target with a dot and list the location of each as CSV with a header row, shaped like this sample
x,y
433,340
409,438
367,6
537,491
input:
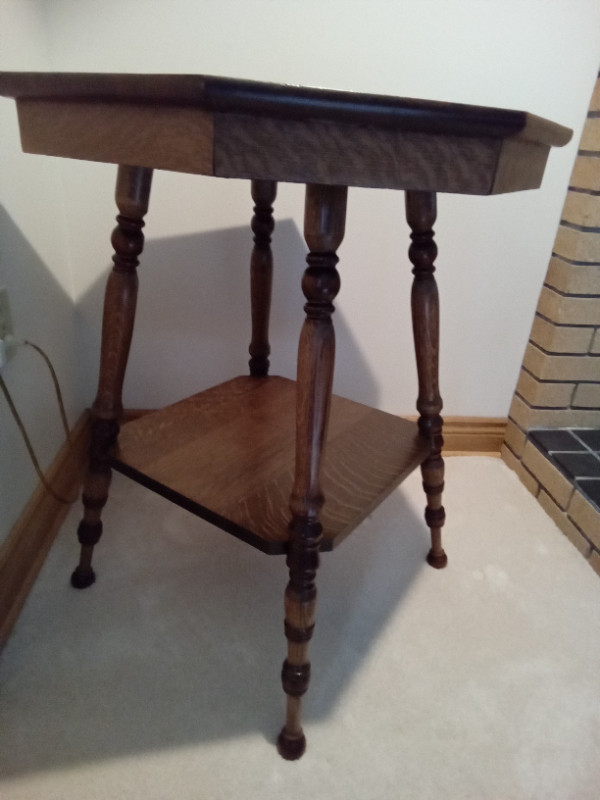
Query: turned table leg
x,y
261,275
132,196
325,213
421,214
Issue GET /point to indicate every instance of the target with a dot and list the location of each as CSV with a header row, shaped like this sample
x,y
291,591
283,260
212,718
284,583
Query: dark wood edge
x,y
290,102
270,547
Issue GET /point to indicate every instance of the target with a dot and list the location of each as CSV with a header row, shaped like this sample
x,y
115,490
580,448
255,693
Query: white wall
x,y
541,56
36,271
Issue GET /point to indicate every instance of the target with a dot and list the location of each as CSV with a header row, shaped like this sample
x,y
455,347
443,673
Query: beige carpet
x,y
162,680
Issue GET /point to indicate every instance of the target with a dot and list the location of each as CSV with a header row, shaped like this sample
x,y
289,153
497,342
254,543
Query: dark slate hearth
x,y
576,453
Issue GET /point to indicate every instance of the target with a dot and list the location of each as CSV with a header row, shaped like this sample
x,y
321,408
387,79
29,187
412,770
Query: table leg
x,y
421,214
325,213
261,275
132,197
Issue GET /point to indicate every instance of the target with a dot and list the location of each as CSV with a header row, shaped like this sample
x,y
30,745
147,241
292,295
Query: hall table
x,y
257,455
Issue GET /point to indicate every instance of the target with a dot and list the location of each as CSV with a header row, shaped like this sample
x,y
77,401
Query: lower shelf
x,y
227,455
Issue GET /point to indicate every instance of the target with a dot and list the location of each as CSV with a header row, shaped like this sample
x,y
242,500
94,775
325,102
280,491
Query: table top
x,y
251,129
297,102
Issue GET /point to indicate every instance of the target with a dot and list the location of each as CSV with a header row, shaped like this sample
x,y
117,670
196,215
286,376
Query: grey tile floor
x,y
576,453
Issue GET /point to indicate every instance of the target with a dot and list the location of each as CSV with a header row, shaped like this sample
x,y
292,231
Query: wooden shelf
x,y
227,455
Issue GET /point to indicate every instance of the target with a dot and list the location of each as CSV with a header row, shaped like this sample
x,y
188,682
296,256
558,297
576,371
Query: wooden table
x,y
259,456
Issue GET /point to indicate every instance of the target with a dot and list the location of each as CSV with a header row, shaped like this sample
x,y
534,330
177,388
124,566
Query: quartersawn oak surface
x,y
227,455
262,131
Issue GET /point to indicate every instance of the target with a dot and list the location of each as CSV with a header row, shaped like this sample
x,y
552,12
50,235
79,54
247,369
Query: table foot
x,y
291,747
437,560
435,516
82,578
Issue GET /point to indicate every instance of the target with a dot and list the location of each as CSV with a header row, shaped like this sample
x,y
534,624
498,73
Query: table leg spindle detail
x,y
300,605
421,215
95,495
325,214
261,275
132,197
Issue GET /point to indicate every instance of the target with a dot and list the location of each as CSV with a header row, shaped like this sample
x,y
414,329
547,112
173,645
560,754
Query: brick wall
x,y
559,383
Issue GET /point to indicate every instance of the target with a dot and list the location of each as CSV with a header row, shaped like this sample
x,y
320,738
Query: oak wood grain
x,y
463,436
162,137
227,454
520,166
321,151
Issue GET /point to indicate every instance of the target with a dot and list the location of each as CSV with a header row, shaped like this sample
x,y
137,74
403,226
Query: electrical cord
x,y
23,431
61,405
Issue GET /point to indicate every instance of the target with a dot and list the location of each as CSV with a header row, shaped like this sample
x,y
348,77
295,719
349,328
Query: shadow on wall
x,y
192,325
43,313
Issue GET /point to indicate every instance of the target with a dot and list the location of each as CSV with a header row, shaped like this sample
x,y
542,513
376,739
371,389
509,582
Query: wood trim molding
x,y
25,549
474,436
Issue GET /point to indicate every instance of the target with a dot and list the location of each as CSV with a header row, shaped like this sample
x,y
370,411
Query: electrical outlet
x,y
6,328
